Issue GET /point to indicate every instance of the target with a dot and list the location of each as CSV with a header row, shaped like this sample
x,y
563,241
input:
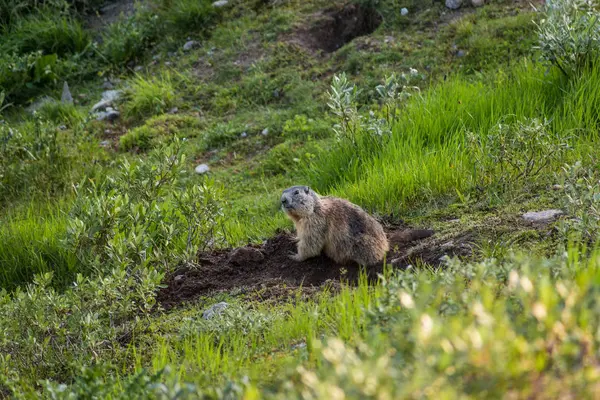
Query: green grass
x,y
50,33
426,157
31,244
148,97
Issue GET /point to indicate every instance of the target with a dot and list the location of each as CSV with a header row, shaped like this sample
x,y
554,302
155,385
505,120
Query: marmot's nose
x,y
284,201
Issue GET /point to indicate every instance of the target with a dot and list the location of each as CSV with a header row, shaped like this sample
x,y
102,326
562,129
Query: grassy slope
x,y
230,83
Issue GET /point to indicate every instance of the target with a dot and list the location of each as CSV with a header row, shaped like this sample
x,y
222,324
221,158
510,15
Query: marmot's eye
x,y
296,192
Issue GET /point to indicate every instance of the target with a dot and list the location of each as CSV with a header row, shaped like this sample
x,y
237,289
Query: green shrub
x,y
581,203
513,154
22,76
149,96
145,215
570,35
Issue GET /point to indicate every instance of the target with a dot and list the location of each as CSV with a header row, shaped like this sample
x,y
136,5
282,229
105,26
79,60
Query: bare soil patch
x,y
267,268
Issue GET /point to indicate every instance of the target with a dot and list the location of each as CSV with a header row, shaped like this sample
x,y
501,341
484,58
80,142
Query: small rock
x,y
265,132
108,97
105,143
404,11
156,57
300,345
108,115
276,93
138,68
244,255
557,187
453,4
220,3
168,63
62,127
477,3
244,134
174,110
107,131
388,39
189,45
107,85
460,53
542,216
216,309
179,278
66,97
202,169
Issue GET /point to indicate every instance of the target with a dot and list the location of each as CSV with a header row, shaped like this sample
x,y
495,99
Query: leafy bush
x,y
145,216
513,154
570,35
581,203
67,330
22,76
149,96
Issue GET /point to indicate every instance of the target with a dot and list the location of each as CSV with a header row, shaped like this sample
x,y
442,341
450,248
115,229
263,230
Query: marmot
x,y
344,231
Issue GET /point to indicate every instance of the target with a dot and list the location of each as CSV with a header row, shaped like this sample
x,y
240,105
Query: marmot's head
x,y
299,201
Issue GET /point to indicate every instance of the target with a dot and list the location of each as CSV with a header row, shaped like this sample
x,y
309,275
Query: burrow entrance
x,y
330,29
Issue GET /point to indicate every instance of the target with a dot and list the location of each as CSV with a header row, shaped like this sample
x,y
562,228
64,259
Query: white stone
x,y
404,11
542,216
220,3
202,169
453,4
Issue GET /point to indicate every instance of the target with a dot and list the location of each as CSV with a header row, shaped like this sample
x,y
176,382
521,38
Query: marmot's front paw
x,y
295,257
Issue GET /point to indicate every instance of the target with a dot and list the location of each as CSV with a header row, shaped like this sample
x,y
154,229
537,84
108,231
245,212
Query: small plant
x,y
581,202
342,103
60,113
513,154
569,35
126,39
187,16
149,96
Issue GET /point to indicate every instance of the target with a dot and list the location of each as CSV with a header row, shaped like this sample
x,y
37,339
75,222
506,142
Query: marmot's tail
x,y
409,235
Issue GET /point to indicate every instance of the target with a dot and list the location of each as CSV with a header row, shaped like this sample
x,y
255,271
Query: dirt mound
x,y
330,29
268,268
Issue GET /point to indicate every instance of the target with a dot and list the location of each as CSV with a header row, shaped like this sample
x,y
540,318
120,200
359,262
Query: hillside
x,y
144,148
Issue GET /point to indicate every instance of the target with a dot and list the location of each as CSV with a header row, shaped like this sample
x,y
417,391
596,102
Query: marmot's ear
x,y
306,189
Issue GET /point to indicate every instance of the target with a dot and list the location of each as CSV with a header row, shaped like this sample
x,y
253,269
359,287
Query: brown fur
x,y
340,229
